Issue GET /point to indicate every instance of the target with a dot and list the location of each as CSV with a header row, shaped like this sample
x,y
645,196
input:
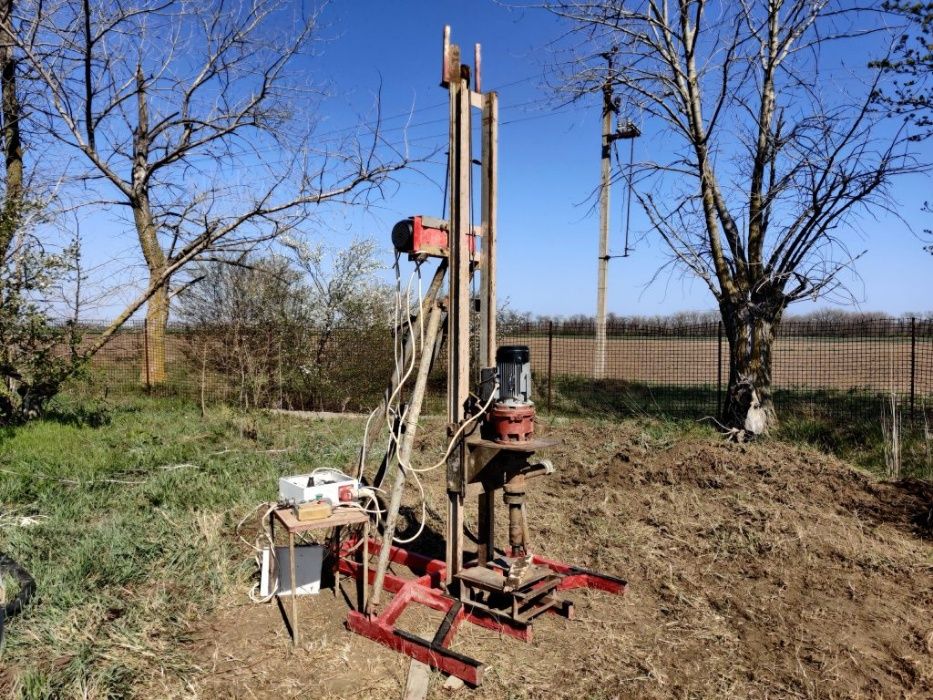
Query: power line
x,y
416,139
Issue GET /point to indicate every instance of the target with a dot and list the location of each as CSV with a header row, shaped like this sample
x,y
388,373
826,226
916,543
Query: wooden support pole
x,y
490,155
405,448
458,317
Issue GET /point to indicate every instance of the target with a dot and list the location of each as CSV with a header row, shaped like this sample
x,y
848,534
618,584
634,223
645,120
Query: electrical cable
x,y
628,195
263,534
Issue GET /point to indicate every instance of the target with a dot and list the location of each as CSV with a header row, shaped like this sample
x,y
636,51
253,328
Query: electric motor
x,y
512,418
513,363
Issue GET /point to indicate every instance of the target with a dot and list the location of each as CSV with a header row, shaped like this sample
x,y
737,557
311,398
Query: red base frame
x,y
425,589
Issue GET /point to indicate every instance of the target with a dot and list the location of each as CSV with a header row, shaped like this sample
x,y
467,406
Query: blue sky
x,y
548,163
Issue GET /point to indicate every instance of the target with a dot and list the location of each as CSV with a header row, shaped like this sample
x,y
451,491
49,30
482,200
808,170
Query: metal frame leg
x,y
294,590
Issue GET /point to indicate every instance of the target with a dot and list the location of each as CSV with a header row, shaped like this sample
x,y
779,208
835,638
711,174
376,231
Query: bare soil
x,y
761,570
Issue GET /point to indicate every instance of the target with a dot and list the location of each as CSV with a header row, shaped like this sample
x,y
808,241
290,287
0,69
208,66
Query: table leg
x,y
336,559
291,562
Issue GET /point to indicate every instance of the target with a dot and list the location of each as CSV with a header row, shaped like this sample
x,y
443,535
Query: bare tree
x,y
344,290
191,117
911,95
32,366
765,162
290,332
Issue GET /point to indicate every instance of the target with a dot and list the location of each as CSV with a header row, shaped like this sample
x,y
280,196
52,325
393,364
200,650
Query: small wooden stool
x,y
340,517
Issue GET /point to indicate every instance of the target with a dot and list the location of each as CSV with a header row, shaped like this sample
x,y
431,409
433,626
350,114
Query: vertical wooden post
x,y
490,155
458,317
146,352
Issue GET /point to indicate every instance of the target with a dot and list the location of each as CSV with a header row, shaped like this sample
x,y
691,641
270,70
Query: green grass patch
x,y
846,424
133,507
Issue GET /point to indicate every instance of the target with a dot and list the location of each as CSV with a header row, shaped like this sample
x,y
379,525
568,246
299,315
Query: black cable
x,y
27,589
628,197
446,182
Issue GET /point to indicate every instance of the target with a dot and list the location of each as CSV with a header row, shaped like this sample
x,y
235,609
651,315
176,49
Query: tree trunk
x,y
12,145
153,371
153,368
10,113
749,405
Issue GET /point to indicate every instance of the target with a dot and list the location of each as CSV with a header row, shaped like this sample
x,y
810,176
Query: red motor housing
x,y
512,424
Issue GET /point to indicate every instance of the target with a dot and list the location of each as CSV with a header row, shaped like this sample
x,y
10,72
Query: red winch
x,y
426,235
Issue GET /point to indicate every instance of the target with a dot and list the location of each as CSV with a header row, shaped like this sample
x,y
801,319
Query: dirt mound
x,y
759,570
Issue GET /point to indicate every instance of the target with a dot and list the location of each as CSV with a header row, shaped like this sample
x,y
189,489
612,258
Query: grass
x,y
847,424
125,514
133,509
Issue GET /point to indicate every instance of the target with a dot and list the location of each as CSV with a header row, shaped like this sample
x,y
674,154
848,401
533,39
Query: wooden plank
x,y
419,680
490,187
458,320
341,517
481,577
458,317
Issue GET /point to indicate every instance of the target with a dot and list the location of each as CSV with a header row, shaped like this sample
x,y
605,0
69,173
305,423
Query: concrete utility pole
x,y
629,131
609,108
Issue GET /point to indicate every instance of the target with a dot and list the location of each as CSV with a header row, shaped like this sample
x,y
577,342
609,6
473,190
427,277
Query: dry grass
x,y
761,570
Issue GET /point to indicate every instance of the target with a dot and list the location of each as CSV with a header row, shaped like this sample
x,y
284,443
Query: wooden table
x,y
293,526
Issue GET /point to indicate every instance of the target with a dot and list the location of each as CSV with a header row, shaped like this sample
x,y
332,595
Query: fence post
x,y
146,352
550,363
913,364
719,372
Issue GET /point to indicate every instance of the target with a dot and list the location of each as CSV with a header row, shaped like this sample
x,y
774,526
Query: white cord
x,y
392,411
263,534
453,440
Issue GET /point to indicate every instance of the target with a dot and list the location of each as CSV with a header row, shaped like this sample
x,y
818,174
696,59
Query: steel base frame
x,y
425,589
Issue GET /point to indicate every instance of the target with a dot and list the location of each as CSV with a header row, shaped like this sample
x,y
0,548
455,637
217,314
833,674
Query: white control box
x,y
302,488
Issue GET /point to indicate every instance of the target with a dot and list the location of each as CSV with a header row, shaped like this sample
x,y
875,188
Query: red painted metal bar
x,y
578,577
469,670
426,590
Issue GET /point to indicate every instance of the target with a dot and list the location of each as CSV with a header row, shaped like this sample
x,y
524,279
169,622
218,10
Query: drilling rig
x,y
492,448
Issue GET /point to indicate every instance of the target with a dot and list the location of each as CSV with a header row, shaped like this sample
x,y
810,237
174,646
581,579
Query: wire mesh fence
x,y
842,369
825,368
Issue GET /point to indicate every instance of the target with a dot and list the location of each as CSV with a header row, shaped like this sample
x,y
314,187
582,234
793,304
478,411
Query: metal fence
x,y
841,369
825,368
